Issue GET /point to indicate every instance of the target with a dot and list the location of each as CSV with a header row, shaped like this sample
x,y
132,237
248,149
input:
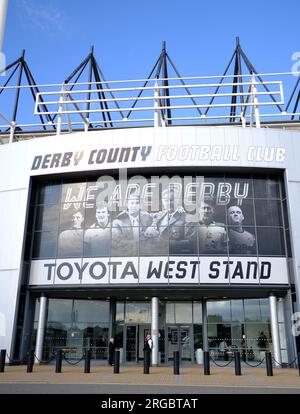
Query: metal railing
x,y
128,103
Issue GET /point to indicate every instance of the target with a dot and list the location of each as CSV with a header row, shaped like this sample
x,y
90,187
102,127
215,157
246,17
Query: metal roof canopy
x,y
161,68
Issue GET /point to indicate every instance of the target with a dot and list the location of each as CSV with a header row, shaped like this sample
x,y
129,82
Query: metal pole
x,y
176,363
58,361
12,132
269,366
156,105
60,109
2,359
206,363
30,361
274,329
41,329
87,362
237,363
154,330
204,326
117,362
255,102
3,12
146,361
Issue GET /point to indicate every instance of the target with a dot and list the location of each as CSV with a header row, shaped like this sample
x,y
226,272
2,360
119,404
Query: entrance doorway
x,y
179,338
134,337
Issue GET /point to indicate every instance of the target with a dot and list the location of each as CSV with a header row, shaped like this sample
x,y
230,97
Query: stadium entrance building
x,y
194,251
186,232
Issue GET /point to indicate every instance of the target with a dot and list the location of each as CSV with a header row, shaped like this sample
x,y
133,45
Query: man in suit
x,y
128,227
167,226
97,237
70,242
212,236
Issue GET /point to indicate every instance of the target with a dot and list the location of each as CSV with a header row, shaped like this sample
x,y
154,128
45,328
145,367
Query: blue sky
x,y
127,35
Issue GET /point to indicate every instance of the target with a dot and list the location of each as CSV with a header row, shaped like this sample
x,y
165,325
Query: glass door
x,y
179,338
131,343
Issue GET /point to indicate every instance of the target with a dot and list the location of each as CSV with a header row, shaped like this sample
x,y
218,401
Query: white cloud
x,y
44,16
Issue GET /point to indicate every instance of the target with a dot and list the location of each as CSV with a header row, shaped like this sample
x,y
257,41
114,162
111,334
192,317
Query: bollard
x,y
206,363
59,355
237,363
117,362
269,364
30,361
146,361
298,356
176,363
2,359
87,362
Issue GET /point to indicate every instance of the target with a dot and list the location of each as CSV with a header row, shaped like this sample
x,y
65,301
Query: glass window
x,y
45,244
179,312
198,338
97,242
264,309
179,243
268,213
218,311
49,194
73,192
252,310
240,215
197,312
120,312
125,241
280,310
154,241
92,311
72,216
266,187
282,336
70,243
242,241
137,312
237,310
265,248
47,217
60,310
258,336
241,186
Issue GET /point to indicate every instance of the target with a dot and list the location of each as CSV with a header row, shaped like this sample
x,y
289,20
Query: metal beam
x,y
3,12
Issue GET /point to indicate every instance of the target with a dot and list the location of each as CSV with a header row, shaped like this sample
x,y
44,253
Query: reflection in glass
x,y
179,312
266,187
252,310
47,217
265,248
45,244
268,213
137,312
218,311
49,194
77,325
237,310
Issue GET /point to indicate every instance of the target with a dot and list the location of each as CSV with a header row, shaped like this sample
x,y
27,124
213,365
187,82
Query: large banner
x,y
160,270
160,230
